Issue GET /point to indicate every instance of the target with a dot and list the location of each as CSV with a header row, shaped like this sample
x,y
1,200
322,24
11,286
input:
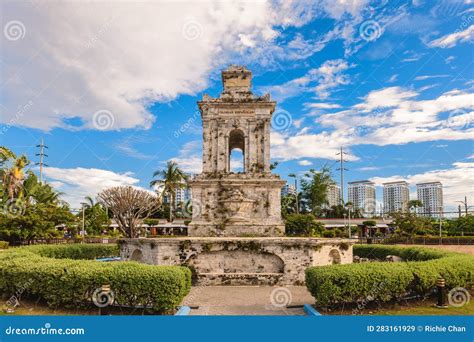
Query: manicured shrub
x,y
3,244
329,234
76,251
67,282
384,281
303,225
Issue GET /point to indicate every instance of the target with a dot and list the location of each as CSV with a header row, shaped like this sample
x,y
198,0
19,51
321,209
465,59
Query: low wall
x,y
240,261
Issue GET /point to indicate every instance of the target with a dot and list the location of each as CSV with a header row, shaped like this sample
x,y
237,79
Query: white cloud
x,y
368,168
79,58
389,116
190,157
457,182
125,147
393,78
427,77
287,146
76,183
322,81
450,40
305,162
337,8
322,105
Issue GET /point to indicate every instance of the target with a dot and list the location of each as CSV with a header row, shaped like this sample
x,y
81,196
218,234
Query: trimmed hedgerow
x,y
385,281
76,251
67,282
3,244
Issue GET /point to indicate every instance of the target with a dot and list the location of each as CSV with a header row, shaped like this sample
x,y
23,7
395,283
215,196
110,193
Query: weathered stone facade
x,y
241,261
235,236
236,204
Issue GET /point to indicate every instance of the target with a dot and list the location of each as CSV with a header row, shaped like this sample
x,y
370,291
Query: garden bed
x,y
67,276
354,284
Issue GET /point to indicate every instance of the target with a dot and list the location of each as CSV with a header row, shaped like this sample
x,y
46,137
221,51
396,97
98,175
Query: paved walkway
x,y
248,300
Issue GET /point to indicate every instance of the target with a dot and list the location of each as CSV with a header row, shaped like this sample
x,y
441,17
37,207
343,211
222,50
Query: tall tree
x,y
130,207
167,181
315,189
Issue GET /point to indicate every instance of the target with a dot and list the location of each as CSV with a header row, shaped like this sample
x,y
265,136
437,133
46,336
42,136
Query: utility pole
x,y
342,169
41,154
466,207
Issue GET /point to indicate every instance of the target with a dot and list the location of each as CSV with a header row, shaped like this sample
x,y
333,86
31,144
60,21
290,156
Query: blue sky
x,y
112,89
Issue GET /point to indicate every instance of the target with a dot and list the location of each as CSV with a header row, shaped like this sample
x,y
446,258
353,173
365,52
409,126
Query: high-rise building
x,y
288,189
362,197
431,196
182,195
395,197
334,195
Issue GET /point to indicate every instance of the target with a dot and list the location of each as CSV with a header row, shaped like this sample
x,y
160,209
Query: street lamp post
x,y
440,221
349,207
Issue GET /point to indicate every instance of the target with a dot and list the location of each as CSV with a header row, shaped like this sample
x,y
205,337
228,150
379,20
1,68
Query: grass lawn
x,y
408,308
429,310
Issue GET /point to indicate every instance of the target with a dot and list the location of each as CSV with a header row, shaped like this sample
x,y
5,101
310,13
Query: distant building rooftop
x,y
396,182
362,182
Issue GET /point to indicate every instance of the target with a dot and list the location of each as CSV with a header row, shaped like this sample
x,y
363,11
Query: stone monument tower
x,y
236,236
229,203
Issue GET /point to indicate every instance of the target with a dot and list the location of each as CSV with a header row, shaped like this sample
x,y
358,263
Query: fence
x,y
60,241
449,240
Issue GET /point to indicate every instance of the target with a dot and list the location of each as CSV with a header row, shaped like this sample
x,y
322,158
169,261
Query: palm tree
x,y
89,203
169,179
12,171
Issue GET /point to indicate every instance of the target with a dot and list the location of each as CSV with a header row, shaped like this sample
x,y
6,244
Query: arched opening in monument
x,y
137,255
236,161
334,257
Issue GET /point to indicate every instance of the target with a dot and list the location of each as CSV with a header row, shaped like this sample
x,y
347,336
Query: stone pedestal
x,y
236,205
240,261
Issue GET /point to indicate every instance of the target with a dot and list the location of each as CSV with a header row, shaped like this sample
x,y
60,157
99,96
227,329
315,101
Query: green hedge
x,y
76,251
3,244
51,273
384,281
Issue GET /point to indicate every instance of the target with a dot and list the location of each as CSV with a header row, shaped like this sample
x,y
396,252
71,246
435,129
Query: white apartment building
x,y
395,197
362,196
431,196
334,195
288,189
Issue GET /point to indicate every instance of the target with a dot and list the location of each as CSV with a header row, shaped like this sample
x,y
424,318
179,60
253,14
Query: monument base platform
x,y
235,230
240,260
